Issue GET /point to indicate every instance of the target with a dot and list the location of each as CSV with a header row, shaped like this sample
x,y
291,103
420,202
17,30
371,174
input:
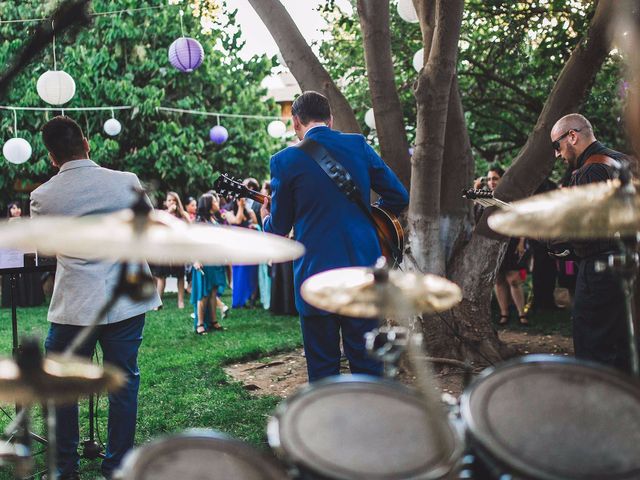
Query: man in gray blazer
x,y
82,287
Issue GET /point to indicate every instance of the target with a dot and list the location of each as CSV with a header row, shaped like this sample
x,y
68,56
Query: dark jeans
x,y
600,331
321,337
119,342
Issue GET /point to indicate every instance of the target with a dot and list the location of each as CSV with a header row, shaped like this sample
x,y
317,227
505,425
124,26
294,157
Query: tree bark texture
x,y
394,146
432,91
303,63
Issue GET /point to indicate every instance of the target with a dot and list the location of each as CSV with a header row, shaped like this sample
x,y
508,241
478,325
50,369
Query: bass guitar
x,y
388,228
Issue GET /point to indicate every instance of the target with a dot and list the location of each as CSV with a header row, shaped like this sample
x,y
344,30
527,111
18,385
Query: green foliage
x,y
122,60
183,384
510,54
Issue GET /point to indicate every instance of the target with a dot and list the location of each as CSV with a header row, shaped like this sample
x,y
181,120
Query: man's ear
x,y
297,124
330,122
85,143
53,160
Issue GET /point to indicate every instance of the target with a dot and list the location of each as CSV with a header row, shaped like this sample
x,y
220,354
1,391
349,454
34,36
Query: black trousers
x,y
600,331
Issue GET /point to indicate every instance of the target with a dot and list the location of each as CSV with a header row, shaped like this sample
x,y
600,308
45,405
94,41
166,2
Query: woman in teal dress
x,y
206,280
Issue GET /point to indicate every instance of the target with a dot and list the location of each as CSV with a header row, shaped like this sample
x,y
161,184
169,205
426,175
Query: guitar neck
x,y
256,196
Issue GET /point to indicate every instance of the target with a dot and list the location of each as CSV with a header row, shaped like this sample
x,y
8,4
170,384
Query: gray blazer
x,y
81,287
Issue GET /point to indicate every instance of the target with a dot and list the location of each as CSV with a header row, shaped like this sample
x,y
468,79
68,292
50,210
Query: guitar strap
x,y
342,178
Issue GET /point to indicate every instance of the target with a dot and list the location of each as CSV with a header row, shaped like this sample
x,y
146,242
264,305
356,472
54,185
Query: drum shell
x,y
581,387
226,458
281,432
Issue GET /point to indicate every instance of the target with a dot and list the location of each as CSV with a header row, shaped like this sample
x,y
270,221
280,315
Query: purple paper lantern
x,y
186,54
218,134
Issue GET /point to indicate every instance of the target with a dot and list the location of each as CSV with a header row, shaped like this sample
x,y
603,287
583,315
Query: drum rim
x,y
487,443
275,441
249,453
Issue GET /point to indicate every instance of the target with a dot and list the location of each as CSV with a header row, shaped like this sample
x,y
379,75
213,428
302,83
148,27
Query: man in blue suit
x,y
334,230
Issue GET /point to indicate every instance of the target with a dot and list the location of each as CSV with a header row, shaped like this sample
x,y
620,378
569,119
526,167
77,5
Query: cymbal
x,y
597,210
163,239
58,379
355,292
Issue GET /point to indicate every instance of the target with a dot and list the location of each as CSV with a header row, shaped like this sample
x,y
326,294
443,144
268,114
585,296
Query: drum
x,y
199,454
550,418
360,427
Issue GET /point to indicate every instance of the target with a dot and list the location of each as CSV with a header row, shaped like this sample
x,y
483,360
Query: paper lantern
x,y
186,54
277,129
418,60
17,150
370,119
218,134
407,11
112,127
56,87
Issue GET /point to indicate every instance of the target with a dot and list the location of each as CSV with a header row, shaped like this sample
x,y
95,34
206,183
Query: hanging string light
x,y
55,87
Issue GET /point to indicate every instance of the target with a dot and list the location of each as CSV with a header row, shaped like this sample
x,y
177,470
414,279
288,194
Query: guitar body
x,y
388,227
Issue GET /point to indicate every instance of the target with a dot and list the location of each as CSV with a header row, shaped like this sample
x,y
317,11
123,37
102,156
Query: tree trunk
x,y
432,91
474,268
394,147
304,65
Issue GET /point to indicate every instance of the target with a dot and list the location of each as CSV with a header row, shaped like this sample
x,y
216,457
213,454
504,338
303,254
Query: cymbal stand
x,y
626,265
425,380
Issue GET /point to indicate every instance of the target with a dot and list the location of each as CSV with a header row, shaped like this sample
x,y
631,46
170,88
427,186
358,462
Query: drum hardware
x,y
387,344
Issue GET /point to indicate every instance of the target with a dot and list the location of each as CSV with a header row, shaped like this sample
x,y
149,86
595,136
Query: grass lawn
x,y
183,384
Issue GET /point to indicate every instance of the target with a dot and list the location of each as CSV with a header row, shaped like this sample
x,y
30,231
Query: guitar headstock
x,y
229,186
475,193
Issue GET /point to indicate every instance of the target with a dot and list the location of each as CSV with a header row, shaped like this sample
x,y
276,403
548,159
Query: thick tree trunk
x,y
474,268
304,65
394,147
432,91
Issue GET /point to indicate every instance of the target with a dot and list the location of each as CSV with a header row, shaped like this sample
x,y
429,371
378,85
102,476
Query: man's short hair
x,y
311,106
575,121
63,138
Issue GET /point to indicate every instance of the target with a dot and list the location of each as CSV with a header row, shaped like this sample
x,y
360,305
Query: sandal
x,y
200,330
504,319
217,326
524,320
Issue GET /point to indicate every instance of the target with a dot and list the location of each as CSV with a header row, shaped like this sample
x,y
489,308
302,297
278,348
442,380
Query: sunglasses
x,y
556,143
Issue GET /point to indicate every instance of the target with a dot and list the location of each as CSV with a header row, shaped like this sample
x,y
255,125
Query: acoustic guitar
x,y
388,227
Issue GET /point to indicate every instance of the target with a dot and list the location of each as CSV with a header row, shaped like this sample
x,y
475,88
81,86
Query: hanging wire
x,y
181,25
15,124
94,14
113,115
216,114
218,119
54,46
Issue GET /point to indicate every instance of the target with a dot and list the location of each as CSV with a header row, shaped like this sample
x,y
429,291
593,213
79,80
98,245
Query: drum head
x,y
359,427
199,454
550,418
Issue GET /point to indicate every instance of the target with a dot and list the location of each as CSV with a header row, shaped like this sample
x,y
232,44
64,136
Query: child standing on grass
x,y
206,280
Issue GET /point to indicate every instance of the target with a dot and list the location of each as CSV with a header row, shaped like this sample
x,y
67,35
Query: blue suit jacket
x,y
334,231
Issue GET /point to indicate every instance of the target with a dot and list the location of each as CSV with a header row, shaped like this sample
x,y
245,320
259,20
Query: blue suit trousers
x,y
120,343
321,337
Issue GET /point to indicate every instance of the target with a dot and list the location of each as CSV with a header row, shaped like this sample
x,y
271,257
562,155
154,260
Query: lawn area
x,y
183,384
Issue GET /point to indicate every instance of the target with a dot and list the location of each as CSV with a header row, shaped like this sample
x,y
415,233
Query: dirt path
x,y
282,375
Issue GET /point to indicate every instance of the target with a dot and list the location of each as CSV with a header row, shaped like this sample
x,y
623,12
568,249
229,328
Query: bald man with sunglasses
x,y
599,328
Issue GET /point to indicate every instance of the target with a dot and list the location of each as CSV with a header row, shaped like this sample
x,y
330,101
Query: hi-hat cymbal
x,y
58,379
355,292
597,210
162,240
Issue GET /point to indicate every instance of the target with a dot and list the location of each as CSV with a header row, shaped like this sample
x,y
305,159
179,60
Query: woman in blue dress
x,y
206,280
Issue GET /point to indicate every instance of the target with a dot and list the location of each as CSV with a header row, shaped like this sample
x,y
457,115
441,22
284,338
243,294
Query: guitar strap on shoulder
x,y
343,180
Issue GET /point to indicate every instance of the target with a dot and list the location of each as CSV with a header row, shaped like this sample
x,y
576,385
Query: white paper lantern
x,y
17,150
418,60
370,119
112,127
56,87
407,11
277,129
